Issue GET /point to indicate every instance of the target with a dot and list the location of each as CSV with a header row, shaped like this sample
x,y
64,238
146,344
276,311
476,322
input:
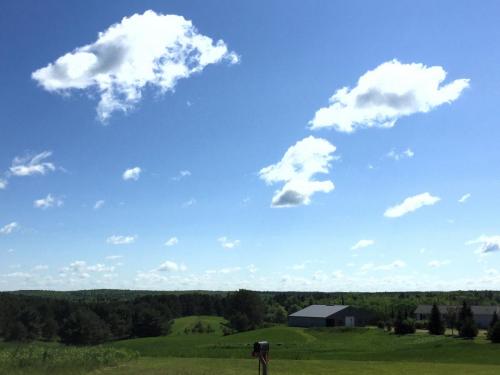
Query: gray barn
x,y
328,316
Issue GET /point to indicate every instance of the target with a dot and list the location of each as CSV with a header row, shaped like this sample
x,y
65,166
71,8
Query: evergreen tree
x,y
493,322
494,333
436,326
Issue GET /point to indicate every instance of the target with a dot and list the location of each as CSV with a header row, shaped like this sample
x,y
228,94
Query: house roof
x,y
319,311
443,309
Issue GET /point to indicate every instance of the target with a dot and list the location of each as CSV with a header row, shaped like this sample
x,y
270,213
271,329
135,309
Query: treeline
x,y
26,318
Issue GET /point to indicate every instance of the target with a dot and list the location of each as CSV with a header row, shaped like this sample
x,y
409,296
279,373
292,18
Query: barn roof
x,y
319,311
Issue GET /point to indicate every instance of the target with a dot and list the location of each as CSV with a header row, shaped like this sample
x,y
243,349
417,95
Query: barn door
x,y
349,321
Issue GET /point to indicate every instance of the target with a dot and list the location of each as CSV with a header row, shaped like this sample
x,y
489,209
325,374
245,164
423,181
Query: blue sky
x,y
152,157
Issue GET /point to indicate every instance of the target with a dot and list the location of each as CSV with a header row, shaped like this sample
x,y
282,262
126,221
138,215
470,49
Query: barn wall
x,y
299,321
361,317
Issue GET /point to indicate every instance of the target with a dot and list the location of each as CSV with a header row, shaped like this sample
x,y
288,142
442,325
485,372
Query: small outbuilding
x,y
482,315
328,316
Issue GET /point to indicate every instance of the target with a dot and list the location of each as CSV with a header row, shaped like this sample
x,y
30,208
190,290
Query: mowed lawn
x,y
220,366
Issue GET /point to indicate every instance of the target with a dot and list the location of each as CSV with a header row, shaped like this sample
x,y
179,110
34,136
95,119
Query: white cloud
x,y
181,175
169,266
226,243
172,241
391,266
488,244
9,228
252,268
408,153
299,267
438,263
30,165
189,203
121,240
297,168
99,204
362,243
383,95
464,198
144,50
230,270
48,202
411,204
132,174
3,183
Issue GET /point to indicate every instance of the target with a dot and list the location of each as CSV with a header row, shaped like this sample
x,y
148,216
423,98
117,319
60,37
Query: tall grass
x,y
42,359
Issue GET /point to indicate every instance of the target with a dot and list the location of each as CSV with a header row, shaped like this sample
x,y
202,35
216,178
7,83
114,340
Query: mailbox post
x,y
261,351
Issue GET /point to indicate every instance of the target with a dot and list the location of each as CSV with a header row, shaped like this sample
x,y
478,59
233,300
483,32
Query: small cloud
x,y
229,270
9,228
189,203
10,251
48,202
297,169
391,266
464,198
438,263
31,165
172,241
228,244
98,205
362,244
252,269
121,240
299,267
487,244
383,95
132,174
3,184
169,266
181,175
411,204
407,154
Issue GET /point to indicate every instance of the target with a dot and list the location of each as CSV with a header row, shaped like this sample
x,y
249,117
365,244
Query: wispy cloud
x,y
172,241
144,50
406,154
9,228
181,175
438,263
189,203
362,244
226,243
132,174
121,240
383,95
48,202
29,165
114,257
297,169
98,205
464,198
411,204
3,183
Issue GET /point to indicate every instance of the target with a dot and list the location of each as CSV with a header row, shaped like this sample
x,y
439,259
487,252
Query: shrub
x,y
404,327
468,329
381,324
422,324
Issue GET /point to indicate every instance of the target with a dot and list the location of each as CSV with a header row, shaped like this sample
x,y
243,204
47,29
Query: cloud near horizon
x,y
143,50
488,244
297,168
385,94
411,204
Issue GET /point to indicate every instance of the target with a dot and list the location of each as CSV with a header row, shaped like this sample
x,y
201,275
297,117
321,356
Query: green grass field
x,y
303,351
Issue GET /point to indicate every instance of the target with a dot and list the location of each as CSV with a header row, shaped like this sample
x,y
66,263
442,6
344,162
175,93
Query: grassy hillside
x,y
360,344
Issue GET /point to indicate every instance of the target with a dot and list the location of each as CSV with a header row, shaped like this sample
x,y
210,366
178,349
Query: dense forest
x,y
96,316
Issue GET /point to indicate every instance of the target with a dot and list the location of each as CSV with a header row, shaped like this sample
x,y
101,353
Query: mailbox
x,y
260,348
